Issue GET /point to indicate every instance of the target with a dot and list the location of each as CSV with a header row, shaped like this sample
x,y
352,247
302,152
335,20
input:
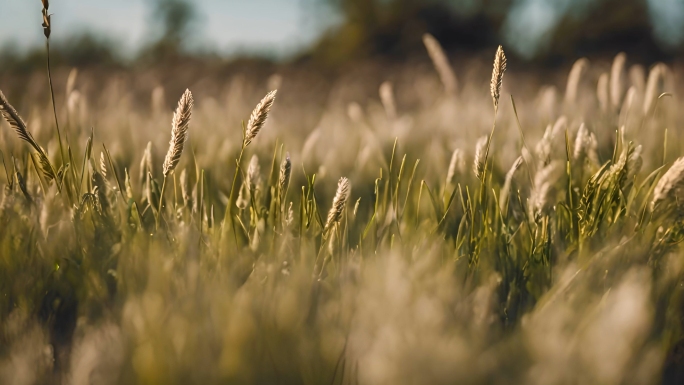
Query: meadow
x,y
457,224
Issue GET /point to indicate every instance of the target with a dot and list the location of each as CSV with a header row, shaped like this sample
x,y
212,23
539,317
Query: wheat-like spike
x,y
284,177
497,75
441,63
505,190
259,117
456,165
19,126
670,188
574,79
616,75
16,122
179,132
480,153
103,165
339,203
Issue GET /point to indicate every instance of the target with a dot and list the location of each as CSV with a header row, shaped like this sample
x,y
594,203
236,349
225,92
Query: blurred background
x,y
333,33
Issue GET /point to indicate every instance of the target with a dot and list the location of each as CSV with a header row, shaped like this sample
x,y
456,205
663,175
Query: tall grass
x,y
561,265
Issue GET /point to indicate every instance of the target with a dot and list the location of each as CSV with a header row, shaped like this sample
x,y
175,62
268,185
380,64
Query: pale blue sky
x,y
279,27
228,25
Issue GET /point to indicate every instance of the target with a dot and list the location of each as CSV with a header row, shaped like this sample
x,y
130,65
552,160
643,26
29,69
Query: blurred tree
x,y
535,29
175,21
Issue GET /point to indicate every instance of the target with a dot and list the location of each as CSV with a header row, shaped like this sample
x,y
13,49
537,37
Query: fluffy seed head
x,y
544,182
497,75
480,153
253,174
259,117
441,63
179,132
670,188
339,203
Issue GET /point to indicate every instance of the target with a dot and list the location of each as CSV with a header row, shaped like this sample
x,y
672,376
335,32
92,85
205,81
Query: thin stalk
x,y
54,107
161,202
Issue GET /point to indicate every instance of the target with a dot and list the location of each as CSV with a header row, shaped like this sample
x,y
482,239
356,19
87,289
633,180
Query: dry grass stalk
x,y
616,78
441,63
339,203
146,162
179,132
259,117
480,154
574,79
497,76
670,188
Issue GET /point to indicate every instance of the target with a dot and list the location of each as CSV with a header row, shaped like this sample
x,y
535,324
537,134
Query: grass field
x,y
488,230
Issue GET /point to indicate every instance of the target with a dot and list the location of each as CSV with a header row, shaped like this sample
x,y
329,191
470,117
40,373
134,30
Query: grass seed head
x,y
441,63
480,153
259,117
574,79
616,78
497,76
179,132
339,202
670,189
284,177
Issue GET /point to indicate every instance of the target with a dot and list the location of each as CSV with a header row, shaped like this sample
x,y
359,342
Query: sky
x,y
278,26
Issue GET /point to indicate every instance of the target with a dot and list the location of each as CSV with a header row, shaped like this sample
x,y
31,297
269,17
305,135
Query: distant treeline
x,y
393,29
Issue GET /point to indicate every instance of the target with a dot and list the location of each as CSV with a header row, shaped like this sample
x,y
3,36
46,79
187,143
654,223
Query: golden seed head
x,y
259,117
497,75
179,132
339,203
